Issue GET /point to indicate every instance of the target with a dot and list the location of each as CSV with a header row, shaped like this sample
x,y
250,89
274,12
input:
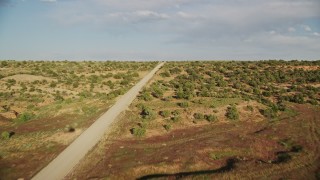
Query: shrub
x,y
213,105
5,135
297,98
69,128
198,116
75,84
165,113
296,148
210,117
183,104
181,94
53,84
165,74
313,101
85,94
175,118
232,113
157,92
147,113
215,111
167,127
24,117
124,82
282,157
145,95
58,97
89,110
266,93
175,112
269,113
175,70
139,131
250,108
11,81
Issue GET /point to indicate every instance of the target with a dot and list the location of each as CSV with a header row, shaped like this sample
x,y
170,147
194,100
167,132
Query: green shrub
x,y
232,113
145,95
165,74
26,116
167,127
176,118
283,157
250,108
269,113
184,94
89,110
75,84
313,101
198,116
5,135
11,81
124,82
139,131
212,106
157,92
210,117
266,93
53,84
297,98
175,112
147,113
296,148
85,94
165,113
183,104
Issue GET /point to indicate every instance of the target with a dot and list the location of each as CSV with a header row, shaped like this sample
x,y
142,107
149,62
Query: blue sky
x,y
159,29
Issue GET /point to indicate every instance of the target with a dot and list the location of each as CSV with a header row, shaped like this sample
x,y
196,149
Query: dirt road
x,y
64,162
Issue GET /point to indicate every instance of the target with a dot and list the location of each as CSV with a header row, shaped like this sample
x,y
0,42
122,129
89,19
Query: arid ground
x,y
216,120
194,120
45,105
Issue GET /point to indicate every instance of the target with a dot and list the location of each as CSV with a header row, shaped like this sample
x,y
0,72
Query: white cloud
x,y
306,28
291,29
316,34
262,24
49,1
150,14
272,32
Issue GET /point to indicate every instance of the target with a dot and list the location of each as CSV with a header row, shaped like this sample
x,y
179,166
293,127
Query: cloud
x,y
214,26
316,34
306,28
292,29
49,1
147,15
189,16
134,5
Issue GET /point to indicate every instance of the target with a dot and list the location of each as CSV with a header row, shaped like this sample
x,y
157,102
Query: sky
x,y
159,29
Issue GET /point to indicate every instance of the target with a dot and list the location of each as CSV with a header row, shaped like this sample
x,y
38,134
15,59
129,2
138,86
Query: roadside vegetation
x,y
203,119
45,105
197,119
188,93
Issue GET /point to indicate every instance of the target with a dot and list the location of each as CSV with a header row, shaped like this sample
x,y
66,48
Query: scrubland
x,y
216,120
